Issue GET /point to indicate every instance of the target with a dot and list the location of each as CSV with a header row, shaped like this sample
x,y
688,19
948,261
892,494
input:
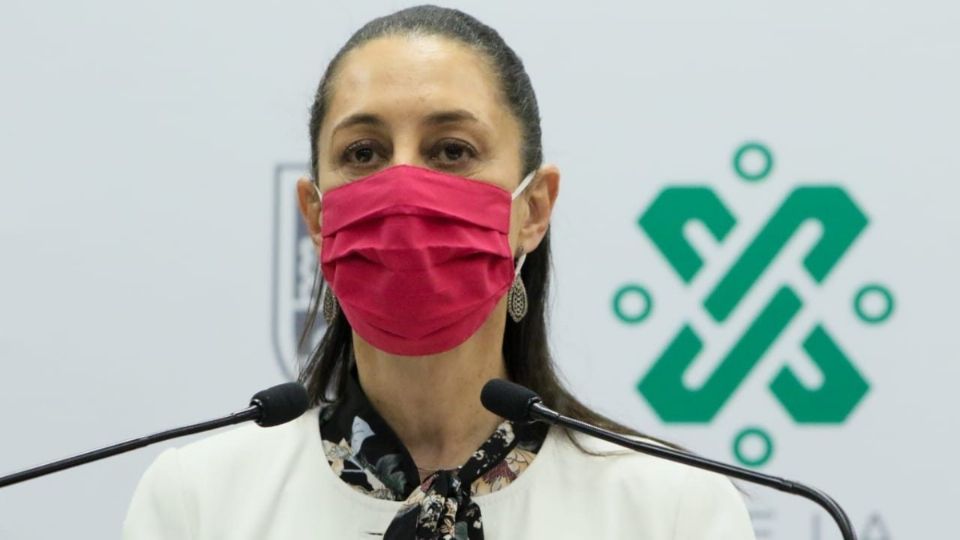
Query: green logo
x,y
842,222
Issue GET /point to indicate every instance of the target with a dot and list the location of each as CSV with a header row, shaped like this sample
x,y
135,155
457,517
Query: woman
x,y
430,211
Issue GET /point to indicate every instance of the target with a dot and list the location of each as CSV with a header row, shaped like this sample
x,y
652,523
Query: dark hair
x,y
525,349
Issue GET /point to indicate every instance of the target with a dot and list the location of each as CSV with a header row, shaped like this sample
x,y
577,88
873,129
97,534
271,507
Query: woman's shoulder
x,y
601,459
224,476
710,501
247,450
252,442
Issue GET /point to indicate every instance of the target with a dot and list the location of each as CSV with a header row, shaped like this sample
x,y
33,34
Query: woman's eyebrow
x,y
450,117
359,119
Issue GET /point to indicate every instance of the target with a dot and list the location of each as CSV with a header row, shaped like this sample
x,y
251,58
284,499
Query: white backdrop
x,y
139,154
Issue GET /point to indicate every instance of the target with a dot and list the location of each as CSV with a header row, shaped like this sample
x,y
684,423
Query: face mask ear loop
x,y
523,185
516,271
516,193
317,189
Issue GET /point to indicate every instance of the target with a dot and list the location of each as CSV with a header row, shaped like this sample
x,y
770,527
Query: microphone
x,y
271,407
520,404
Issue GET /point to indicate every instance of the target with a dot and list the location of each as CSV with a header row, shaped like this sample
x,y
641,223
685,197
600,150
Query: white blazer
x,y
253,483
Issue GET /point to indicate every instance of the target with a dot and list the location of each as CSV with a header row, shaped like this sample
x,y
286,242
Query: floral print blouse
x,y
366,454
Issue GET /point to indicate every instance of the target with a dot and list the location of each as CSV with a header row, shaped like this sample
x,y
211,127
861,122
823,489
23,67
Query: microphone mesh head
x,y
507,399
280,404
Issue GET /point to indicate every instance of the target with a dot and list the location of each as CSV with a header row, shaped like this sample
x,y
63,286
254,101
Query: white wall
x,y
138,146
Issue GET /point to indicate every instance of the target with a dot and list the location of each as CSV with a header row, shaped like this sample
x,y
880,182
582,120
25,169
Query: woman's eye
x,y
362,154
452,153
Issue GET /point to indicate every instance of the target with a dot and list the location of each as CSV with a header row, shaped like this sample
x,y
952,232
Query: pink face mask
x,y
418,258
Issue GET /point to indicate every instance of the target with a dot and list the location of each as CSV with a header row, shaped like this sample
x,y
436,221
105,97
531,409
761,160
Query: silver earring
x,y
330,305
517,297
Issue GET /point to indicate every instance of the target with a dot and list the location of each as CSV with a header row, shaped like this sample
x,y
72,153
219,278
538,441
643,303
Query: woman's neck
x,y
432,402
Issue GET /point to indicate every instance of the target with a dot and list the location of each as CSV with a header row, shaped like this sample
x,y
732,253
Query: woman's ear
x,y
540,198
309,199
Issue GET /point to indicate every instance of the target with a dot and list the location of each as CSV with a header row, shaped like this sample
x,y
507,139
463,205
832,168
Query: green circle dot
x,y
869,290
756,461
752,147
625,292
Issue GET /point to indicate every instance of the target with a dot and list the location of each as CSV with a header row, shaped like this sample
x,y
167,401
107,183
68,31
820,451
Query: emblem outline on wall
x,y
293,269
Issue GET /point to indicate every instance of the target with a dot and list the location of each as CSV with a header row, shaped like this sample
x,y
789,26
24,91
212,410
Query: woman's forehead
x,y
397,77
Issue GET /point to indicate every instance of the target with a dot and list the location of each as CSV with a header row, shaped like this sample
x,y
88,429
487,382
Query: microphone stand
x,y
251,413
539,412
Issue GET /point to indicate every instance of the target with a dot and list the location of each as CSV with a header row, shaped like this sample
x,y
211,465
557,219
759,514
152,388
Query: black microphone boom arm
x,y
270,407
539,412
250,413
